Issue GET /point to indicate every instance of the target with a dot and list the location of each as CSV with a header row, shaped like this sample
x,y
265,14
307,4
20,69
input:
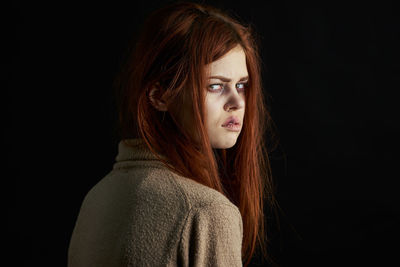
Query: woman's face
x,y
225,99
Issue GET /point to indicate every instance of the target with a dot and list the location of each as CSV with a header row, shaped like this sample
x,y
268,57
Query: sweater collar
x,y
134,149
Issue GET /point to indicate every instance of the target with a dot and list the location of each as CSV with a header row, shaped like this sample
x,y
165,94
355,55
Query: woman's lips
x,y
232,127
232,119
232,124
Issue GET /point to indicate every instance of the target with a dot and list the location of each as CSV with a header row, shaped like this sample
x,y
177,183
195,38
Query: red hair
x,y
176,43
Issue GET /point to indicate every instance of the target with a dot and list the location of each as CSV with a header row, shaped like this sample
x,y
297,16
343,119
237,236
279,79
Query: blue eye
x,y
216,87
241,86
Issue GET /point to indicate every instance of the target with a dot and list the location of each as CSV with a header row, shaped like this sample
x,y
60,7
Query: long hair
x,y
175,44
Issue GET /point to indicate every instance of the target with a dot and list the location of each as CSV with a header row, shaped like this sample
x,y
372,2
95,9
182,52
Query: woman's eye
x,y
216,87
241,86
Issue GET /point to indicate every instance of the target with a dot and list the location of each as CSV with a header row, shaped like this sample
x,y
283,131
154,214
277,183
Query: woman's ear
x,y
155,99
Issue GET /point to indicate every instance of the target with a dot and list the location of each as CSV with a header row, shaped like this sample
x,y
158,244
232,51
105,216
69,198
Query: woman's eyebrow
x,y
225,79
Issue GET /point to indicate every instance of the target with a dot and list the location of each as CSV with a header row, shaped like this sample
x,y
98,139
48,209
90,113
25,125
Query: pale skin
x,y
226,84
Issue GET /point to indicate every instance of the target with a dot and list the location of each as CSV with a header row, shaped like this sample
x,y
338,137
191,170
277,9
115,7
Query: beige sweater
x,y
142,214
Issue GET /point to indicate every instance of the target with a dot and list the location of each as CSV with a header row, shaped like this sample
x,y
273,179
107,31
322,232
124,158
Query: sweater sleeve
x,y
212,236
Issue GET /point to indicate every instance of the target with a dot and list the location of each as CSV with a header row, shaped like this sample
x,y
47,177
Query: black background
x,y
331,69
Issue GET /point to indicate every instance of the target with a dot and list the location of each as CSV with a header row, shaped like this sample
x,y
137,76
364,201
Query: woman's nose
x,y
234,101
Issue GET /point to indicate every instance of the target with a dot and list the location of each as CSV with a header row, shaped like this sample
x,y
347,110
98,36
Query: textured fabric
x,y
142,214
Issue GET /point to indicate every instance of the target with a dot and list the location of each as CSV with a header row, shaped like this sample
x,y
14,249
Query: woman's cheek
x,y
212,113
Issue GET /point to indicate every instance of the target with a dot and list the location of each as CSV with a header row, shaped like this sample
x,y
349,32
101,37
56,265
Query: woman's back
x,y
142,214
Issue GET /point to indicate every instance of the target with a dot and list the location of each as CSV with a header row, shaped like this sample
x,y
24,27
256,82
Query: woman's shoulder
x,y
145,176
154,184
164,188
198,195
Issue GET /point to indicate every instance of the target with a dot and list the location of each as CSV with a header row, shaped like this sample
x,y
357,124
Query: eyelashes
x,y
218,87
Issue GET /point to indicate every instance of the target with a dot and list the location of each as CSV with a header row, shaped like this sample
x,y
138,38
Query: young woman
x,y
192,170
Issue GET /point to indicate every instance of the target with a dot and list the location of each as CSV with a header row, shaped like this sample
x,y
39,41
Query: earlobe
x,y
155,101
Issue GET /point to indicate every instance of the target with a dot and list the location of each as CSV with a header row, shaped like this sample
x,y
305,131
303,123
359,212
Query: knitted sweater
x,y
142,214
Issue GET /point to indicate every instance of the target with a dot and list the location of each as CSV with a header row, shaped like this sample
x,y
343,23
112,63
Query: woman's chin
x,y
224,143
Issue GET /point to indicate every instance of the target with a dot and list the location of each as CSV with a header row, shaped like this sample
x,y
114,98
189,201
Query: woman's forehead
x,y
232,65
